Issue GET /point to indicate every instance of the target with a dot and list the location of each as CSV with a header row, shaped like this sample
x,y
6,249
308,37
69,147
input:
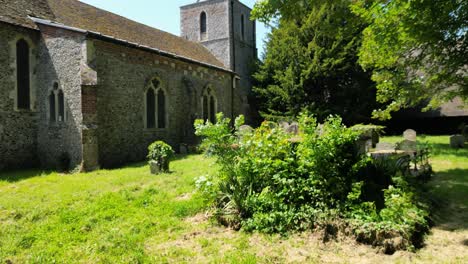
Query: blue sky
x,y
161,14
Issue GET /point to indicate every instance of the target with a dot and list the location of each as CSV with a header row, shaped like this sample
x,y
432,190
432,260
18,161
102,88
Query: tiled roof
x,y
80,15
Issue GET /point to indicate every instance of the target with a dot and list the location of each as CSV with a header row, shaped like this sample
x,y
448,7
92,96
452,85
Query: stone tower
x,y
224,27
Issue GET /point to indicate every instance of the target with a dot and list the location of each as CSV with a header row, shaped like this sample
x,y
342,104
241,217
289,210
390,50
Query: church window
x,y
203,26
150,109
56,104
52,107
242,27
22,75
209,106
61,106
156,105
161,109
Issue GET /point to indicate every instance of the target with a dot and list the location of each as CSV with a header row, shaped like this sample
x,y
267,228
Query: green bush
x,y
159,151
272,181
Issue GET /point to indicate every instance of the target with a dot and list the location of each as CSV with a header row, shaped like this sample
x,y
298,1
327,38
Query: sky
x,y
162,14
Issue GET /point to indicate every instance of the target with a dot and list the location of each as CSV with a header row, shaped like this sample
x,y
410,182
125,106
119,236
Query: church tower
x,y
224,27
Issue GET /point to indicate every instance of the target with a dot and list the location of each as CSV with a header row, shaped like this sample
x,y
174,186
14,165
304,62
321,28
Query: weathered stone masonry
x,y
89,84
123,76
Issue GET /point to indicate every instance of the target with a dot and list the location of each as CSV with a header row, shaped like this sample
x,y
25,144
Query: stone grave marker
x,y
183,149
457,141
410,135
293,128
385,146
407,145
284,125
245,129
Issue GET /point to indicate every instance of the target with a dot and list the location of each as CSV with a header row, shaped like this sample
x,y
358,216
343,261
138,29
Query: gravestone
x,y
410,135
245,130
407,145
385,146
293,128
465,133
457,141
284,125
183,149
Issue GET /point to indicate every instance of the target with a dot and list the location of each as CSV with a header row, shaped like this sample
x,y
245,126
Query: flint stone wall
x,y
61,56
18,129
123,78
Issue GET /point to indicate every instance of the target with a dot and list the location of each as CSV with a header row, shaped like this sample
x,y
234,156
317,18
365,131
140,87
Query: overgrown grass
x,y
104,216
130,216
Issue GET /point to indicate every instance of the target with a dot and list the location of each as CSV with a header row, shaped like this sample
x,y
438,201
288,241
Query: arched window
x,y
61,106
52,117
242,27
209,105
161,109
203,27
22,75
156,105
56,104
150,109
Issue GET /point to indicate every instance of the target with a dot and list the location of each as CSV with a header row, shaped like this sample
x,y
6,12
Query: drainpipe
x,y
233,60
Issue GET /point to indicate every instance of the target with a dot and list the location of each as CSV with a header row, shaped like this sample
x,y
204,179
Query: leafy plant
x,y
160,151
275,182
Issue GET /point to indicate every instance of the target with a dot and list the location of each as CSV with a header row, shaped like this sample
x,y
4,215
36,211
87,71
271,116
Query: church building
x,y
86,87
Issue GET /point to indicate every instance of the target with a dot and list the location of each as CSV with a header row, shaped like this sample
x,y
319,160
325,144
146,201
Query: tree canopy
x,y
416,50
311,63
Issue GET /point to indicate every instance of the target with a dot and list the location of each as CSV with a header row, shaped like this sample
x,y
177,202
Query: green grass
x,y
130,216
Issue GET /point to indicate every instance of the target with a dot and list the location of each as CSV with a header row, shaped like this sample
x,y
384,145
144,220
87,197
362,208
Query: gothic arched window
x,y
22,75
56,104
203,27
61,106
52,117
161,109
209,105
156,105
150,109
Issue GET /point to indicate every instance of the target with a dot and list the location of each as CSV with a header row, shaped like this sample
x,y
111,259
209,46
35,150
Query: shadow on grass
x,y
141,164
445,149
19,175
449,192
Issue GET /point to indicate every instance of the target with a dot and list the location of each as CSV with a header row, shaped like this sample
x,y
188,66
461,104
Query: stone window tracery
x,y
56,101
156,106
209,105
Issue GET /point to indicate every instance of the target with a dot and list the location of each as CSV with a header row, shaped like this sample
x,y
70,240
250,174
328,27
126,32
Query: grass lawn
x,y
130,216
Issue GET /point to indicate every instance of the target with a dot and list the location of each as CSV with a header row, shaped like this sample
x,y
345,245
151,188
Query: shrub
x,y
273,181
160,152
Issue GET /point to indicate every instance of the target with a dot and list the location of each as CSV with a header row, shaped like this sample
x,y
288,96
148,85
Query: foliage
x,y
273,181
160,151
311,63
128,215
417,50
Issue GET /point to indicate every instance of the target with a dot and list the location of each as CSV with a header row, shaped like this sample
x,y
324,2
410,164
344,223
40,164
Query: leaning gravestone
x,y
457,141
293,128
410,135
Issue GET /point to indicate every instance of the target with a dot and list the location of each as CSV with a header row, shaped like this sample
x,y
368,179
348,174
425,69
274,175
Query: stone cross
x,y
410,135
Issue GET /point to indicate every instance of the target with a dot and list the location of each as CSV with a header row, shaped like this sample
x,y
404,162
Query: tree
x,y
416,49
311,63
